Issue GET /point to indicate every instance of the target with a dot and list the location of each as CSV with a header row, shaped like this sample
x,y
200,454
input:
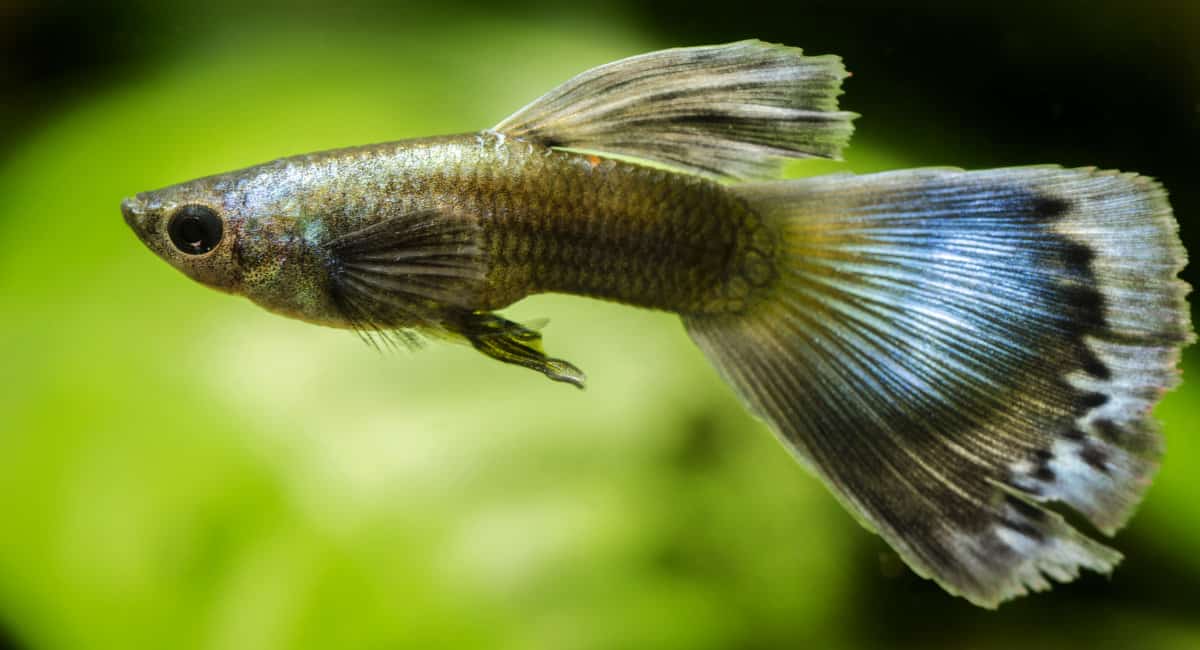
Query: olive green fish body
x,y
947,350
548,221
564,222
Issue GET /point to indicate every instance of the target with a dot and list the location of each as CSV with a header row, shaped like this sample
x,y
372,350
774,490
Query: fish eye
x,y
195,229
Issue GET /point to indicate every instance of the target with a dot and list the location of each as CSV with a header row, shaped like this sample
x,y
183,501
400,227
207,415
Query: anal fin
x,y
504,340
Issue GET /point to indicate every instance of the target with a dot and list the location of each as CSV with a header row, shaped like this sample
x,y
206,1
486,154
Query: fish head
x,y
237,238
190,230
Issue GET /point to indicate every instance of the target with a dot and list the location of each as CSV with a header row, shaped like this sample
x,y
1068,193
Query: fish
x,y
950,352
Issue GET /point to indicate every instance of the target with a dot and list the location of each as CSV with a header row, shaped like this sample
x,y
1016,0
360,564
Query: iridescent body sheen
x,y
548,221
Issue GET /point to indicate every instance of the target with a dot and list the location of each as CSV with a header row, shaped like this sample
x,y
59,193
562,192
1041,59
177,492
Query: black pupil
x,y
195,229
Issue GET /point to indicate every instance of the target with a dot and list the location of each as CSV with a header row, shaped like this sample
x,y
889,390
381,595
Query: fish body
x,y
547,221
945,349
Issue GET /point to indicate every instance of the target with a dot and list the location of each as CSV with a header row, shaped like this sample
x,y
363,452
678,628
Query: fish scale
x,y
551,221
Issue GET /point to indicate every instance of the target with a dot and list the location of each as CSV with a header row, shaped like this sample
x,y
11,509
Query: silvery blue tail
x,y
950,349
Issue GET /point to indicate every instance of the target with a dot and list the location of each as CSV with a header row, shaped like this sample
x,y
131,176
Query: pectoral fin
x,y
406,273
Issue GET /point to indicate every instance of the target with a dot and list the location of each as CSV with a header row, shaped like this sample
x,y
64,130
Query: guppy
x,y
947,350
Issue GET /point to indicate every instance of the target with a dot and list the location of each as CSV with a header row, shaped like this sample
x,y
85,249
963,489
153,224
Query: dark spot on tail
x,y
1078,256
1073,433
1042,471
1091,364
1028,516
1025,528
1027,510
1087,307
1044,474
1095,457
1108,430
1089,401
1049,208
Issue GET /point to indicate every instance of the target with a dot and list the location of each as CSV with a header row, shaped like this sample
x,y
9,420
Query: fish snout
x,y
130,209
136,214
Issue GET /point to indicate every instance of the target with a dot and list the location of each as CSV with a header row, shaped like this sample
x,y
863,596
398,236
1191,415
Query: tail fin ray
x,y
947,349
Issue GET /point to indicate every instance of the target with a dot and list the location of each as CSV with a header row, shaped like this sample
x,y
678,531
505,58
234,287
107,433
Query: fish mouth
x,y
134,211
130,210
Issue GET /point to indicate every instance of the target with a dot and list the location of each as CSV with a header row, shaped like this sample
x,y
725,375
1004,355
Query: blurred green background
x,y
179,469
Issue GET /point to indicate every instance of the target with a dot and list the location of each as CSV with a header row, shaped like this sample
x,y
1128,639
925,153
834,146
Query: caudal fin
x,y
948,349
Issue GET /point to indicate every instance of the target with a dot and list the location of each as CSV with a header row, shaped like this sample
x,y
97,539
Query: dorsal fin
x,y
733,111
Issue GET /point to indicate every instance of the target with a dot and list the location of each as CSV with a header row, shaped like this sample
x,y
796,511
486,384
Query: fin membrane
x,y
510,342
733,111
409,271
947,349
421,273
